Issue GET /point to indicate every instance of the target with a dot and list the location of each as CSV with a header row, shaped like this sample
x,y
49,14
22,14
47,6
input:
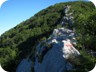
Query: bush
x,y
83,63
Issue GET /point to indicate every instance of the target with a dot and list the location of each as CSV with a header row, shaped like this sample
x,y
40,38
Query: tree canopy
x,y
21,40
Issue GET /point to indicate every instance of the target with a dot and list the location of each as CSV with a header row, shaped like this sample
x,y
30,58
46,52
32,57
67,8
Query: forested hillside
x,y
20,41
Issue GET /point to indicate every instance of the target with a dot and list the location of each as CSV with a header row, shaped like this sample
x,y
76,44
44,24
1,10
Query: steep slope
x,y
56,59
52,54
21,40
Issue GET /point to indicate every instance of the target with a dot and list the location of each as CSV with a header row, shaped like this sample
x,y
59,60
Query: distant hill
x,y
20,41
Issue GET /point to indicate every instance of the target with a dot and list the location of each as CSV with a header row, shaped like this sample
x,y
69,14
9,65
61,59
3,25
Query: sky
x,y
13,12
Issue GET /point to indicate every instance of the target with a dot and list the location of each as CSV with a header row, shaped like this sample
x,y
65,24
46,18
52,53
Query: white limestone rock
x,y
55,60
24,66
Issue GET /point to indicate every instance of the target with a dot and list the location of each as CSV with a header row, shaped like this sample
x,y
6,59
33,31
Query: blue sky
x,y
12,12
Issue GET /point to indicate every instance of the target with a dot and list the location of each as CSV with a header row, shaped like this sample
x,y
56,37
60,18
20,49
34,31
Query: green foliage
x,y
7,58
83,63
86,29
21,40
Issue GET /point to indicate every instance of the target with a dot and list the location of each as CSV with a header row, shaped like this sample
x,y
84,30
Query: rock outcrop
x,y
53,54
25,66
55,58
